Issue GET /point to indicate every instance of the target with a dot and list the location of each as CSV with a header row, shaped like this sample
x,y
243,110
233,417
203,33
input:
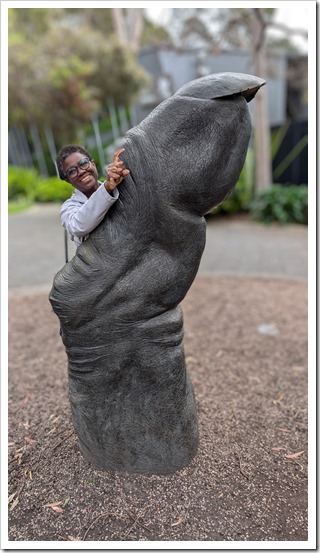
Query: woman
x,y
91,199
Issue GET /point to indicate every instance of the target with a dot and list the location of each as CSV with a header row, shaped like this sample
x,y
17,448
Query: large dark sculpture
x,y
132,401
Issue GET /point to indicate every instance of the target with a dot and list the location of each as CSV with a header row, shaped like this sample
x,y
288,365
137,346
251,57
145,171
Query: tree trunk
x,y
262,130
119,25
135,26
128,26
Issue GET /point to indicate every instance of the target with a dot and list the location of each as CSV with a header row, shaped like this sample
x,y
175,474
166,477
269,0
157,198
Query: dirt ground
x,y
246,351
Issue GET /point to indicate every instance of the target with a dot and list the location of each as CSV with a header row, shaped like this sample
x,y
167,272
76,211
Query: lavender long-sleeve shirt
x,y
80,215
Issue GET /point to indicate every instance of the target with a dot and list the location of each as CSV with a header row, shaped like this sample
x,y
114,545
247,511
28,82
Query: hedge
x,y
26,183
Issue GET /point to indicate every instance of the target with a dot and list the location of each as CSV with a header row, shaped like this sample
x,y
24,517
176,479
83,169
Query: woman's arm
x,y
81,217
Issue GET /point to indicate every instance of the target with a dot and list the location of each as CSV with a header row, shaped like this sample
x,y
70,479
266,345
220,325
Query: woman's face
x,y
81,173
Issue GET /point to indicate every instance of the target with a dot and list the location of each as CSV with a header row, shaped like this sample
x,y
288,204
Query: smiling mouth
x,y
86,177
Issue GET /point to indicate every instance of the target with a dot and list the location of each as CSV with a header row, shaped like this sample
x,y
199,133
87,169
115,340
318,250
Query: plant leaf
x,y
14,504
56,504
57,509
30,440
179,521
294,455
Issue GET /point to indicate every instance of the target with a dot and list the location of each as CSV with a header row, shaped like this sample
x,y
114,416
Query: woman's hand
x,y
116,172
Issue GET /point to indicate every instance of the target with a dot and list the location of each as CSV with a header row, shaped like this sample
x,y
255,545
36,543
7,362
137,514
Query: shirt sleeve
x,y
79,218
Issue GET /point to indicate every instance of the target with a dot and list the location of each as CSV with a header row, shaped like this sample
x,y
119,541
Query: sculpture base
x,y
132,401
156,469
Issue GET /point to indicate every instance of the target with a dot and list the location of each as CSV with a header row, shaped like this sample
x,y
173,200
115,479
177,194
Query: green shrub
x,y
52,189
22,182
16,206
26,185
282,203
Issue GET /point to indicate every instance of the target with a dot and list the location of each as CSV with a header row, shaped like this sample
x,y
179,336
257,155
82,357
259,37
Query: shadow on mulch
x,y
246,352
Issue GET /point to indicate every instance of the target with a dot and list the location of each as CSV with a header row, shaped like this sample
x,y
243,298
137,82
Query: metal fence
x,y
37,148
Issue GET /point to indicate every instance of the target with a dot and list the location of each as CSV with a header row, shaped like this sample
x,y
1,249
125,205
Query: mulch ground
x,y
246,352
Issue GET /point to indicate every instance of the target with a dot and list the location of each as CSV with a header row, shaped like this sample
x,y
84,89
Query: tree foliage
x,y
64,64
223,28
155,35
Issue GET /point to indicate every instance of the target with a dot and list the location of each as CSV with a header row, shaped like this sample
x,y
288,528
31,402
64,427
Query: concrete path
x,y
235,246
240,246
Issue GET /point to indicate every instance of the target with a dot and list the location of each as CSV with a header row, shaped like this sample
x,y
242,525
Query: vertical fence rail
x,y
52,146
95,125
38,149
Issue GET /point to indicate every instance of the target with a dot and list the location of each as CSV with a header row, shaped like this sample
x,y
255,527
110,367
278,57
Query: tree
x,y
128,24
262,133
154,35
244,28
134,29
260,21
64,74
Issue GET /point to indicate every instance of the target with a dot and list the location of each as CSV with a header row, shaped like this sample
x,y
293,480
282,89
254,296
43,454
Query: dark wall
x,y
297,171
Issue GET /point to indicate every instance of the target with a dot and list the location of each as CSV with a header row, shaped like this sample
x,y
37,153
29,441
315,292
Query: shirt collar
x,y
81,195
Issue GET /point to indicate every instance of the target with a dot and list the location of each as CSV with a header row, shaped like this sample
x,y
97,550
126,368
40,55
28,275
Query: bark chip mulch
x,y
246,352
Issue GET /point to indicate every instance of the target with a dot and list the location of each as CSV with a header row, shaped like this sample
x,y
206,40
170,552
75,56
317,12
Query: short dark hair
x,y
66,152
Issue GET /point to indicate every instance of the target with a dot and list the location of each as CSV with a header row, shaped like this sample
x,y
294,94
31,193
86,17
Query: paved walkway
x,y
235,246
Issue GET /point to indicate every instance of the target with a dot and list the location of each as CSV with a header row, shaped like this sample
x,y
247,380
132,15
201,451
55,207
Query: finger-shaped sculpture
x,y
132,401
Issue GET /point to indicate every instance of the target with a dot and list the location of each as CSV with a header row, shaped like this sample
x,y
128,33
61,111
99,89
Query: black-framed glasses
x,y
84,164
